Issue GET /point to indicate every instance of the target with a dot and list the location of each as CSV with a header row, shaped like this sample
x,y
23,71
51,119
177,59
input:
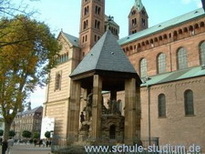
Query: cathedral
x,y
164,68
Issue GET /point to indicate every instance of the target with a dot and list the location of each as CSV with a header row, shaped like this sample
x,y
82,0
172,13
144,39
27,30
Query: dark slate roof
x,y
37,109
157,28
175,76
72,39
106,55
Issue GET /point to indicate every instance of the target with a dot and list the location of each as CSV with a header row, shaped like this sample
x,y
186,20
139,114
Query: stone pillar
x,y
73,111
44,109
130,111
96,108
138,112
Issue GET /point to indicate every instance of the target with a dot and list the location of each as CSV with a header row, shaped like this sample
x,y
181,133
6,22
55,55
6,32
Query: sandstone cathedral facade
x,y
170,60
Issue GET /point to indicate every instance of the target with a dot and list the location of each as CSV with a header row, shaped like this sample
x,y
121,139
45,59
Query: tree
x,y
23,64
12,133
36,135
10,10
26,134
47,134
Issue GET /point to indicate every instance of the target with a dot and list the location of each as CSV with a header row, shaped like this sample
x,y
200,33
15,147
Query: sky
x,y
65,15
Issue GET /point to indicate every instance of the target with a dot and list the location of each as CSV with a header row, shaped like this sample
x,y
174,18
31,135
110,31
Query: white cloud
x,y
38,97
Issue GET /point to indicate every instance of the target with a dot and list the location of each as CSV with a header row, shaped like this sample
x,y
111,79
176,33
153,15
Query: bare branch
x,y
9,9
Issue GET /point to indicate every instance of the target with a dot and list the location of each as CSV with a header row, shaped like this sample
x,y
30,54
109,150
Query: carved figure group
x,y
114,106
88,108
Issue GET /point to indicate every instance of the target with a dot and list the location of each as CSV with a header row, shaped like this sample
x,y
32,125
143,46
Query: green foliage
x,y
27,53
26,134
36,135
1,132
12,133
47,134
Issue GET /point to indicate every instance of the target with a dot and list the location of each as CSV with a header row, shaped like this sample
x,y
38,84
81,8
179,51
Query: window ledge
x,y
193,115
162,117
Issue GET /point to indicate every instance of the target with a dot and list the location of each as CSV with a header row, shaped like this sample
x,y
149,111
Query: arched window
x,y
191,30
58,81
202,53
134,22
161,105
97,24
138,46
85,24
161,63
97,10
182,58
188,102
86,10
175,35
143,68
152,42
185,30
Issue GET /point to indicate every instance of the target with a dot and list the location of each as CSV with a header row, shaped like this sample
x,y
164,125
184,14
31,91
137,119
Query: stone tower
x,y
138,18
91,23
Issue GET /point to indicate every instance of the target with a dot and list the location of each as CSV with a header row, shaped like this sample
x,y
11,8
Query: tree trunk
x,y
7,129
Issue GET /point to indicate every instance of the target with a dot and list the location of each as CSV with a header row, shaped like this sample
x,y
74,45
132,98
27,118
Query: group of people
x,y
7,145
44,143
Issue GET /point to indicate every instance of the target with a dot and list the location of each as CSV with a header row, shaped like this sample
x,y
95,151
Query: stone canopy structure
x,y
106,68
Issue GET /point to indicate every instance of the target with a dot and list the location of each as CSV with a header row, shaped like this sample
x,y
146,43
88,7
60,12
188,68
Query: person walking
x,y
10,145
4,147
40,142
35,142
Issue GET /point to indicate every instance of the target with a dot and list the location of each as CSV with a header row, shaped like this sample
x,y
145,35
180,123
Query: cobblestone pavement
x,y
29,149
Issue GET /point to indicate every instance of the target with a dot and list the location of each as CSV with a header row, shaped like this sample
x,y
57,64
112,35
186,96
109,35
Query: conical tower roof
x,y
106,55
138,5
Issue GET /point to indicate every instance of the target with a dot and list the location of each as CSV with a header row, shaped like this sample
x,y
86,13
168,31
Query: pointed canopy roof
x,y
107,56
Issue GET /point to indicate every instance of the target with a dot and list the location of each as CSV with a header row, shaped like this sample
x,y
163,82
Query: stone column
x,y
130,111
44,109
138,112
74,111
46,103
96,108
